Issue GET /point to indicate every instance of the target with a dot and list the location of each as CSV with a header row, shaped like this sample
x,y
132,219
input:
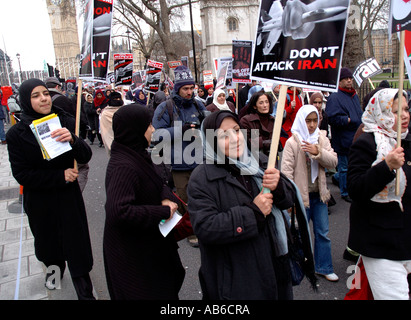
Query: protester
x,y
140,97
293,103
177,115
317,100
344,115
306,155
100,100
380,221
2,132
242,234
140,262
220,102
259,118
106,119
245,110
243,95
210,95
201,95
52,197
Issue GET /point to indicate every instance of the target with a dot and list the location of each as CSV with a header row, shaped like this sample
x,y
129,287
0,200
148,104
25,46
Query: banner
x,y
184,61
407,52
137,81
95,50
300,44
123,68
365,70
208,78
153,75
169,83
221,77
242,50
174,64
86,70
400,16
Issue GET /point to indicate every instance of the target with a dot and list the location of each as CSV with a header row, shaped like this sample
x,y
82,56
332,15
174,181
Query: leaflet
x,y
166,227
42,129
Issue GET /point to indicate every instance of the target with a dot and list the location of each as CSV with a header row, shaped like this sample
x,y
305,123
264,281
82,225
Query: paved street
x,y
32,273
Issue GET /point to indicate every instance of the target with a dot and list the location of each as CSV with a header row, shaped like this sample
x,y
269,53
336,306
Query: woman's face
x,y
405,115
149,133
200,92
230,139
41,100
141,95
263,104
210,91
89,98
312,122
99,95
221,98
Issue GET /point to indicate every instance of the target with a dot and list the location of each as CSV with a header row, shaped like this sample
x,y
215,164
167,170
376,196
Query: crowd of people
x,y
187,151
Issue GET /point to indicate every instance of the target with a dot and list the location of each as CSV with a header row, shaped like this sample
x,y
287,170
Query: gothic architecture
x,y
63,23
222,21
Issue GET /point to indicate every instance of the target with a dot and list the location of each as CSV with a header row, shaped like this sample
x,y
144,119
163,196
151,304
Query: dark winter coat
x,y
140,263
341,106
377,230
212,107
252,121
236,250
55,209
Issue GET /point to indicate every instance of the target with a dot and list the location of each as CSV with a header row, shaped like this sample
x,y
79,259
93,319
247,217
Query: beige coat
x,y
293,165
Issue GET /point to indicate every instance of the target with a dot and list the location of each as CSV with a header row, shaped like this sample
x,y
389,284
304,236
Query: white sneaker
x,y
331,277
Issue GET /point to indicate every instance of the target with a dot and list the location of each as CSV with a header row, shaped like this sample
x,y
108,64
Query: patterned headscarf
x,y
379,119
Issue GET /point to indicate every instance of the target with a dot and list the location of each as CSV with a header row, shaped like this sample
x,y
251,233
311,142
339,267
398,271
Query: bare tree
x,y
371,14
157,15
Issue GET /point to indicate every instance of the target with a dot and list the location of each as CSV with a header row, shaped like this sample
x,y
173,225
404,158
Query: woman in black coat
x,y
52,197
380,221
140,262
242,236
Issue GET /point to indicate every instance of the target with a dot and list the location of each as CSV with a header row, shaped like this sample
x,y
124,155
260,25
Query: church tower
x,y
63,23
225,20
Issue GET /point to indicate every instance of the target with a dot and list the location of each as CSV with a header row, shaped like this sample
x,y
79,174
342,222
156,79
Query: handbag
x,y
295,251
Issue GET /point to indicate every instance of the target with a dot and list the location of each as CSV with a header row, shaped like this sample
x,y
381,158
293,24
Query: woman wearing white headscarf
x,y
380,221
220,102
306,155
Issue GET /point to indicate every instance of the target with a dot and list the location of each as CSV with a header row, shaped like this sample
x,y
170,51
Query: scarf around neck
x,y
379,119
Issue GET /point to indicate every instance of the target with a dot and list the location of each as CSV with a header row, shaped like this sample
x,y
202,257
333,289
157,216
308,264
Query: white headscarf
x,y
300,129
379,119
215,100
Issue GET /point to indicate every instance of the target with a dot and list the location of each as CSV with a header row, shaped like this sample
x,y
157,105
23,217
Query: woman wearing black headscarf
x,y
52,197
242,235
140,262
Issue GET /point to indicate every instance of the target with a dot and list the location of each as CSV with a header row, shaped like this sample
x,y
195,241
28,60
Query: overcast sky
x,y
25,28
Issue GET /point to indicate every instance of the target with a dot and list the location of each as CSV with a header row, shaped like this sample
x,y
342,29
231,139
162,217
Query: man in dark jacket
x,y
186,114
243,95
344,116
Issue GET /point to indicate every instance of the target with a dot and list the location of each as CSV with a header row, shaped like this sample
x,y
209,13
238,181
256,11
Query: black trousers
x,y
82,284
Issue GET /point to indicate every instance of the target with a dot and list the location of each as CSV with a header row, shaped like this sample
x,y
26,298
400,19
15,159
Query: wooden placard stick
x,y
400,98
78,109
236,97
275,139
372,84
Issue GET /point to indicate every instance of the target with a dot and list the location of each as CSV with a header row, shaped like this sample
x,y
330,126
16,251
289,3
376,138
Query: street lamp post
x,y
128,37
192,37
21,74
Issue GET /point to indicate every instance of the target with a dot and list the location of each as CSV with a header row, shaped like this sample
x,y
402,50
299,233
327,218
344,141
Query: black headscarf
x,y
130,123
28,113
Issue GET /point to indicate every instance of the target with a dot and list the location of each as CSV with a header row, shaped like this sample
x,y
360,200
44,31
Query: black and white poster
x,y
123,69
400,16
153,76
86,70
300,42
95,49
366,69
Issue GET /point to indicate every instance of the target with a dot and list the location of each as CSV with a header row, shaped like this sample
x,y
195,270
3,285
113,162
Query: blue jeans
x,y
318,213
2,133
342,168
